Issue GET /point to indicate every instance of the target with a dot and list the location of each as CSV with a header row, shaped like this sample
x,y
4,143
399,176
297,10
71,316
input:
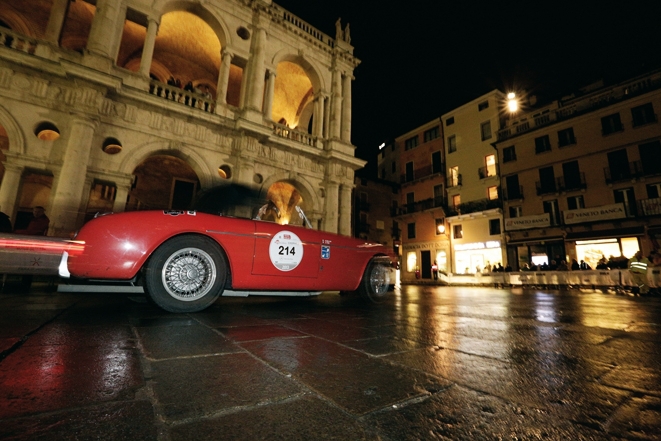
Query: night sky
x,y
422,58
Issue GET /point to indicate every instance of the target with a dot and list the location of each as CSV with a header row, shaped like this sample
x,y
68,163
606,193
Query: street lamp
x,y
512,102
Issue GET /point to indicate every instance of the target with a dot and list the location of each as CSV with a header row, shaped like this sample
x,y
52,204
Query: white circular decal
x,y
286,251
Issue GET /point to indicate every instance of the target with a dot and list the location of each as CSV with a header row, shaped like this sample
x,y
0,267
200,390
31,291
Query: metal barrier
x,y
572,279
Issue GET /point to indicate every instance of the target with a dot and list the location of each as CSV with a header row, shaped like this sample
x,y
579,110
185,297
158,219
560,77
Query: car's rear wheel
x,y
375,282
186,274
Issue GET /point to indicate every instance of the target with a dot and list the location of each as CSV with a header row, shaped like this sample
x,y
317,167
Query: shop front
x,y
532,240
420,259
476,257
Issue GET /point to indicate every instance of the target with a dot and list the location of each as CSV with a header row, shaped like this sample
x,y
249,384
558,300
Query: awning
x,y
607,234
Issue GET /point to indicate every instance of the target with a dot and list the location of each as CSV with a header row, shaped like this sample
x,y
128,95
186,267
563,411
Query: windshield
x,y
244,202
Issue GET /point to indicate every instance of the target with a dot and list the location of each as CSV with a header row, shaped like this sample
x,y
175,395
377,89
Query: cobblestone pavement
x,y
429,363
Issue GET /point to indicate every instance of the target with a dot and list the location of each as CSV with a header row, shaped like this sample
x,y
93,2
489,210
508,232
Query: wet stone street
x,y
430,363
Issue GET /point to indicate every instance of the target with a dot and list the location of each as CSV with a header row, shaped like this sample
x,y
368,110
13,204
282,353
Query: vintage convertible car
x,y
187,259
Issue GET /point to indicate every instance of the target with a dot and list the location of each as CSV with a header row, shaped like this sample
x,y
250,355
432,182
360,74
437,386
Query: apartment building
x,y
581,176
421,214
374,202
113,105
474,220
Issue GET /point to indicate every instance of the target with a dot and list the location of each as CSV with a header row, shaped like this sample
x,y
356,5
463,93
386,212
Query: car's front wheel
x,y
186,274
376,281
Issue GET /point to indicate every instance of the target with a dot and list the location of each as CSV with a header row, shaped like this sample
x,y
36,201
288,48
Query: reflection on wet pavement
x,y
429,363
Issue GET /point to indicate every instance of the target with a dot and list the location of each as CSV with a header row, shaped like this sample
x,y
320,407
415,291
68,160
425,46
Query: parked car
x,y
187,259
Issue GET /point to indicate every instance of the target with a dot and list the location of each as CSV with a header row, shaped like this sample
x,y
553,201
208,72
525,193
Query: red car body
x,y
119,246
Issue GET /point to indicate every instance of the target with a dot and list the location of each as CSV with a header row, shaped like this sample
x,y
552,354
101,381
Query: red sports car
x,y
187,259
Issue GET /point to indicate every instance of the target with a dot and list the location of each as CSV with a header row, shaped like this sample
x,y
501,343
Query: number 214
x,y
286,251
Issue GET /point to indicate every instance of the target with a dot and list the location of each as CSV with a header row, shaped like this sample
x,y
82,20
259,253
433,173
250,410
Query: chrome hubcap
x,y
188,274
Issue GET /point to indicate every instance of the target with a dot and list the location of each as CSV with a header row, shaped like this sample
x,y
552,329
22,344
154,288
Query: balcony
x,y
649,207
571,183
420,174
631,171
453,181
513,193
419,206
475,206
487,172
546,187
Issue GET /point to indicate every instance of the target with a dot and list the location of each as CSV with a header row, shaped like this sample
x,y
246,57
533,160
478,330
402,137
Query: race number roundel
x,y
286,251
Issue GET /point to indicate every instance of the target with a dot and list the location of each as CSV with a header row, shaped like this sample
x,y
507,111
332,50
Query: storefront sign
x,y
524,222
605,212
477,245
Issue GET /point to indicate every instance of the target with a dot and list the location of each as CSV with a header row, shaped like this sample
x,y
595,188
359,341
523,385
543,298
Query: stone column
x,y
331,214
69,189
223,78
326,129
58,13
346,109
123,189
345,210
336,109
270,90
148,48
256,73
11,182
318,129
104,26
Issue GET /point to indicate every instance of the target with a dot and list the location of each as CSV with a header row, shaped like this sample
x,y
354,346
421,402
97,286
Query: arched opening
x,y
292,94
35,191
4,146
163,182
286,197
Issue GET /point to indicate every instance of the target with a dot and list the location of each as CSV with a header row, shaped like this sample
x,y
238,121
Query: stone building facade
x,y
581,176
92,117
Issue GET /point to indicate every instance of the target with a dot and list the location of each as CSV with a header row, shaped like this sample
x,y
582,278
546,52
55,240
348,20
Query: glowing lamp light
x,y
47,132
512,103
441,228
112,146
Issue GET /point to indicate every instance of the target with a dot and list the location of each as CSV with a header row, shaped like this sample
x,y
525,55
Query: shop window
x,y
411,261
494,227
458,231
442,261
575,202
411,230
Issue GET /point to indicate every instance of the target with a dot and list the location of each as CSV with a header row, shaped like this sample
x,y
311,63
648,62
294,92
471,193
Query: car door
x,y
286,251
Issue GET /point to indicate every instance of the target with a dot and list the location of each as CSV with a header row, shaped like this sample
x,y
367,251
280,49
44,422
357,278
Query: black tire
x,y
375,282
186,274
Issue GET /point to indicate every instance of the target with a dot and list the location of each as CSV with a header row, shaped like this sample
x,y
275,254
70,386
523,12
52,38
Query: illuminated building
x,y
91,117
473,184
421,212
581,176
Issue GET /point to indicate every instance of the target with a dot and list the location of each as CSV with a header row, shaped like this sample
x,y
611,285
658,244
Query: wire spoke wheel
x,y
376,282
188,274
